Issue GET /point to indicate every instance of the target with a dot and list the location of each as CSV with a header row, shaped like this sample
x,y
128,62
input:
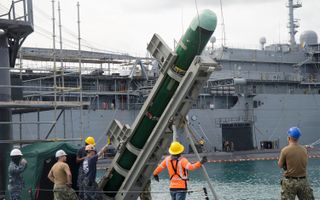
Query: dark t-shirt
x,y
81,153
90,167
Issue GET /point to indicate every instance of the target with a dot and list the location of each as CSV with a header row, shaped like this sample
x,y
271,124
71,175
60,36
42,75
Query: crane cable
x,y
187,132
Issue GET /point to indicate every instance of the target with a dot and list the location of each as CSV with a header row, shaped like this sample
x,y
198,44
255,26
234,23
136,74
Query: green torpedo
x,y
191,44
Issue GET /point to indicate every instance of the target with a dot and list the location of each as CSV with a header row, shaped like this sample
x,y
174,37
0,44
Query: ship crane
x,y
141,146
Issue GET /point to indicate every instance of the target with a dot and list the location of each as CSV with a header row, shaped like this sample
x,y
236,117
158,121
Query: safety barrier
x,y
252,159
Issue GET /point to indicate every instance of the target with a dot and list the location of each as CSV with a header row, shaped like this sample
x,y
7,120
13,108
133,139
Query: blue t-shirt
x,y
90,168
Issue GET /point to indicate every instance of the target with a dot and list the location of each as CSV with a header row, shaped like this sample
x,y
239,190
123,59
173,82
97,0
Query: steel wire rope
x,y
43,13
107,127
205,173
6,2
198,17
65,29
203,133
122,191
4,8
90,44
69,43
86,43
6,5
223,30
68,31
194,131
44,32
46,36
259,131
199,46
73,44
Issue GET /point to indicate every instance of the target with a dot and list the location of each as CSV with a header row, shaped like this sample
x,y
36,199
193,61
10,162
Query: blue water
x,y
255,180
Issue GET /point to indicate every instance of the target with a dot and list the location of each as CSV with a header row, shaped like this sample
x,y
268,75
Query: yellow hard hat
x,y
176,148
90,140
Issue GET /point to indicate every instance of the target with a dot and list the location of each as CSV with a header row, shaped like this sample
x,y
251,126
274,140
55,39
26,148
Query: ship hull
x,y
246,127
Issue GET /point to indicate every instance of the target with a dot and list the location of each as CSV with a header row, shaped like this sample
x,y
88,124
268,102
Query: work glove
x,y
23,161
204,160
156,177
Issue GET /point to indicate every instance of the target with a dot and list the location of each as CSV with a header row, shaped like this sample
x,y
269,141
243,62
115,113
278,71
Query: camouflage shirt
x,y
16,182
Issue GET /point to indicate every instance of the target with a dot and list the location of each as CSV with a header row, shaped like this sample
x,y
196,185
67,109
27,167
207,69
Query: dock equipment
x,y
141,147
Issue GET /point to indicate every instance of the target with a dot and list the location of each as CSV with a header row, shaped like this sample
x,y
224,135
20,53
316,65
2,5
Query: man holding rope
x,y
91,190
177,168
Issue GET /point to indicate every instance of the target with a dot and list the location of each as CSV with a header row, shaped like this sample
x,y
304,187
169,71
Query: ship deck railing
x,y
42,104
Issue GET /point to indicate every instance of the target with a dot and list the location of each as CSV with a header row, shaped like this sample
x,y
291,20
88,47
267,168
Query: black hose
x,y
205,193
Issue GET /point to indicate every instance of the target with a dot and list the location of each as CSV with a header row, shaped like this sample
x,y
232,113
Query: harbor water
x,y
255,180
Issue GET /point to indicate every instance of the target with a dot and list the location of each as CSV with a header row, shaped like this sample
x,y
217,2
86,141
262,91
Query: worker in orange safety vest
x,y
177,168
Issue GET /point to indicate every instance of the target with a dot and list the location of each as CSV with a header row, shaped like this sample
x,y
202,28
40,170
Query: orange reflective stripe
x,y
161,166
177,170
189,166
182,171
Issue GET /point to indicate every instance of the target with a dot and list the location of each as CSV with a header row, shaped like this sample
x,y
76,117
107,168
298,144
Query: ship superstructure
x,y
252,101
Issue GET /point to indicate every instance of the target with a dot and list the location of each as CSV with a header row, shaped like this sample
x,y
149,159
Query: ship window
x,y
318,91
254,89
255,104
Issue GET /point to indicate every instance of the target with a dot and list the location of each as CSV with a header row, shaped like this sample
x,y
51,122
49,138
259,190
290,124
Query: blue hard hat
x,y
294,132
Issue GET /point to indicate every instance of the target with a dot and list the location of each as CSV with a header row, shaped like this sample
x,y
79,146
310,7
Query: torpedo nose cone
x,y
207,19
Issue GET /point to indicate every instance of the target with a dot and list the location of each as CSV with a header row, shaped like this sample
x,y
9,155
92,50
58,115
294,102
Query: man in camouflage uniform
x,y
16,167
146,193
91,190
60,175
294,159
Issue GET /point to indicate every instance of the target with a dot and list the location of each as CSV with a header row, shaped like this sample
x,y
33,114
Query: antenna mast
x,y
80,71
293,23
223,43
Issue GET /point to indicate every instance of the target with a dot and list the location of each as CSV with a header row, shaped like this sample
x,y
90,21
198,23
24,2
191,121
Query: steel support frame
x,y
158,142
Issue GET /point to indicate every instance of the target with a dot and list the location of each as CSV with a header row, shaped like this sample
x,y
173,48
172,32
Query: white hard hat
x,y
60,153
15,152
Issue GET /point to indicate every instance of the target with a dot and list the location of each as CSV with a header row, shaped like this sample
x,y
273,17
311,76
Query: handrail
x,y
26,12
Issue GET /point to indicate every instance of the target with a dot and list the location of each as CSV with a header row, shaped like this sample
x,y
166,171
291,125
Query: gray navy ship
x,y
250,102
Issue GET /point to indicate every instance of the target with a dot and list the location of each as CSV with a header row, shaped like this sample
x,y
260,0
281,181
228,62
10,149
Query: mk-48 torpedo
x,y
191,44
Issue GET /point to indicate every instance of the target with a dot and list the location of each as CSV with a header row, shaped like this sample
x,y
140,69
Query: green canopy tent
x,y
41,157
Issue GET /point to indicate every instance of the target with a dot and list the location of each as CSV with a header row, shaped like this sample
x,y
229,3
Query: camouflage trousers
x,y
91,190
145,194
63,192
15,195
290,188
80,183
